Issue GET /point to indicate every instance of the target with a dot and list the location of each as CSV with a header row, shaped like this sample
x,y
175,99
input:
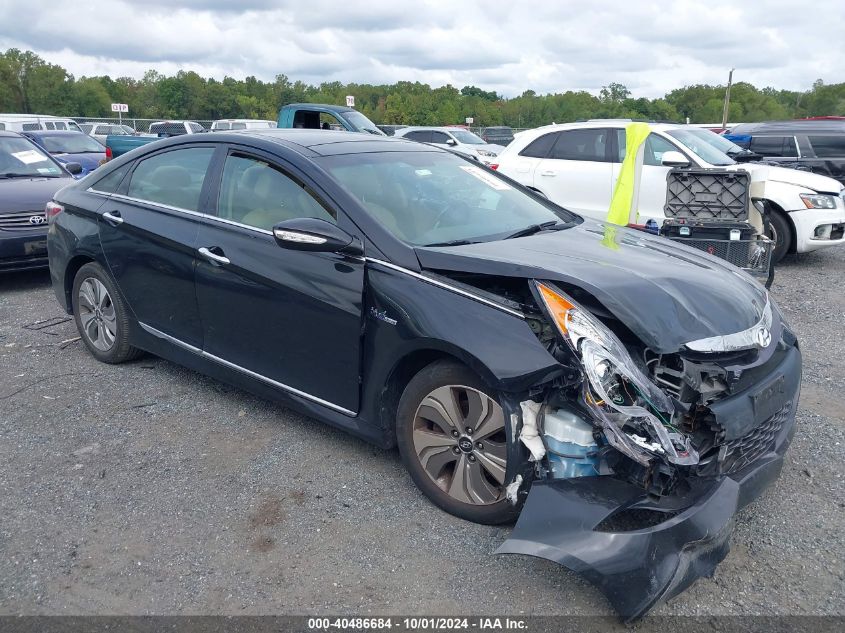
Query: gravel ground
x,y
149,489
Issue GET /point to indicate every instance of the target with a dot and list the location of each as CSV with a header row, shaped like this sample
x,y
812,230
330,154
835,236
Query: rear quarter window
x,y
540,147
110,183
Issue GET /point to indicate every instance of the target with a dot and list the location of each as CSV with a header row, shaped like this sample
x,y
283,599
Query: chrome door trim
x,y
440,284
222,361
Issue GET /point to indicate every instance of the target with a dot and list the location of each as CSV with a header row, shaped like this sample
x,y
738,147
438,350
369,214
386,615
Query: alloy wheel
x,y
459,439
97,314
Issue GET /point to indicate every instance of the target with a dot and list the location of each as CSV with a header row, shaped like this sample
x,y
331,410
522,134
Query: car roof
x,y
798,126
55,133
310,142
323,106
438,128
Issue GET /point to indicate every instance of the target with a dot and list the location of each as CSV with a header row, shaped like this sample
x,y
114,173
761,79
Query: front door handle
x,y
213,257
548,172
113,217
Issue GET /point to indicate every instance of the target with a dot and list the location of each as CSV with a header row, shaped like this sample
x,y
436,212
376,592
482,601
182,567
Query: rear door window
x,y
775,146
238,126
173,178
828,146
583,145
111,182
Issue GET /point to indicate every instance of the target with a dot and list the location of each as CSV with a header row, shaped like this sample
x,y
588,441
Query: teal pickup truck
x,y
316,116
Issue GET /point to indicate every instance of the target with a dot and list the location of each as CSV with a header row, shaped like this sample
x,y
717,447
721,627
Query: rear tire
x,y
451,434
101,316
781,234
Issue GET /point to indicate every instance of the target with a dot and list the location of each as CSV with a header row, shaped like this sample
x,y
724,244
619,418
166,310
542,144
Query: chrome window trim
x,y
198,214
440,284
222,361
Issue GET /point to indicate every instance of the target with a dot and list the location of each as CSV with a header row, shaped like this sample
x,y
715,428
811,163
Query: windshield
x,y
71,144
19,157
467,138
361,122
433,198
705,144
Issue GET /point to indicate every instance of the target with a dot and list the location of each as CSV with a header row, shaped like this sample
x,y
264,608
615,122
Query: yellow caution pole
x,y
624,205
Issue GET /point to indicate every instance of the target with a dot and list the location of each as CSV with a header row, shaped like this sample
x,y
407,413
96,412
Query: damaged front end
x,y
640,460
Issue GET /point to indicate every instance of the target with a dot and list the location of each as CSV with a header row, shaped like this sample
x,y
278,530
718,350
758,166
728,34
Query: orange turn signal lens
x,y
557,305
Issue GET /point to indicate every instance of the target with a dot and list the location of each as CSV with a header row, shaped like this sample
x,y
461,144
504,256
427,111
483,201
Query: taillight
x,y
494,165
52,210
109,154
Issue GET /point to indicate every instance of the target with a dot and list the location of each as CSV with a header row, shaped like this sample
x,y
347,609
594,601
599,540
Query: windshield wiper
x,y
11,174
551,225
453,243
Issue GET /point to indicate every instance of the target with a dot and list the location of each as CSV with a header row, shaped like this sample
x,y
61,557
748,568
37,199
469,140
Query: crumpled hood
x,y
29,194
665,293
797,177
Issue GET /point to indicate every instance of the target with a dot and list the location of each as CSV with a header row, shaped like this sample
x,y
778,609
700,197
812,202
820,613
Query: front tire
x,y
450,430
101,316
782,236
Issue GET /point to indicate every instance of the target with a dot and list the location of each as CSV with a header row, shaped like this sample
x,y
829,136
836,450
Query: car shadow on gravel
x,y
23,281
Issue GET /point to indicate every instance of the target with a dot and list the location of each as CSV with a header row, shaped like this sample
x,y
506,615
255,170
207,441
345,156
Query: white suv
x,y
576,165
461,140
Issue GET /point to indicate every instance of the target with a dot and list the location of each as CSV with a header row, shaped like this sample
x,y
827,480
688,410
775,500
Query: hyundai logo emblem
x,y
763,337
37,219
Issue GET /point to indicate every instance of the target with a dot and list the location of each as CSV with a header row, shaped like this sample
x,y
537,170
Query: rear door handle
x,y
548,172
113,217
213,257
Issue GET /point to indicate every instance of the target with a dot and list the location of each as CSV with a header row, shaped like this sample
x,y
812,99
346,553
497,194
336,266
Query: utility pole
x,y
727,99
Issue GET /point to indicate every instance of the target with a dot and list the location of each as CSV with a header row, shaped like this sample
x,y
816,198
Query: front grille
x,y
745,450
23,221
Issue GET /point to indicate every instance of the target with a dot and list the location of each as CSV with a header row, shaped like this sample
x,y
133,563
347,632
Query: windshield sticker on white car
x,y
487,179
29,156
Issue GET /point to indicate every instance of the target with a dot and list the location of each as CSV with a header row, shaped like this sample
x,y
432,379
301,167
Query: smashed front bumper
x,y
640,552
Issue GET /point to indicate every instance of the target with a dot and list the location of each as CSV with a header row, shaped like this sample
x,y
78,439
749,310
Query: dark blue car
x,y
71,147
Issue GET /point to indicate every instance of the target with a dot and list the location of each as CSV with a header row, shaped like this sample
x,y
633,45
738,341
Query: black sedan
x,y
622,395
28,179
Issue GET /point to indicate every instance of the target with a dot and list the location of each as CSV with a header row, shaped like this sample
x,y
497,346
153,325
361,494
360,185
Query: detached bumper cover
x,y
639,569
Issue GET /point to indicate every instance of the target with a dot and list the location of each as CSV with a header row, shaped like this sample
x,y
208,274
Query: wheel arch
x,y
408,366
73,266
792,230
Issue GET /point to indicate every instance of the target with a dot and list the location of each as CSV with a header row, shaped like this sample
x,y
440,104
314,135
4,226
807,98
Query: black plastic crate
x,y
706,194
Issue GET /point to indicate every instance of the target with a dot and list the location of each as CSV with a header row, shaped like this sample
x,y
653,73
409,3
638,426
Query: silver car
x,y
455,138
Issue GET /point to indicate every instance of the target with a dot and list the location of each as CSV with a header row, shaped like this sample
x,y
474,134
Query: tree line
x,y
29,84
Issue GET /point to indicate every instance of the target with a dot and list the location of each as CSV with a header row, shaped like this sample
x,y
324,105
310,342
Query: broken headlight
x,y
612,373
614,379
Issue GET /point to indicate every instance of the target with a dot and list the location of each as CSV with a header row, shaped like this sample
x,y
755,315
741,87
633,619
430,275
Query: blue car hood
x,y
89,160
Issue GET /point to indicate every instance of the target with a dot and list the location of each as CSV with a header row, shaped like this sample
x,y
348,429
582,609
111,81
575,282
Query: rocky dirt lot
x,y
149,489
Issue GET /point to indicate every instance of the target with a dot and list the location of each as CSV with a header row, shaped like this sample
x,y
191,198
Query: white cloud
x,y
651,47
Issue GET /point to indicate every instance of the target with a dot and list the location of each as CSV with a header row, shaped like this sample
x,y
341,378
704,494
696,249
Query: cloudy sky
x,y
507,46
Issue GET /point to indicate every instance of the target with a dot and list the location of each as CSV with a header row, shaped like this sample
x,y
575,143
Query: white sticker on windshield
x,y
487,179
422,172
29,156
47,170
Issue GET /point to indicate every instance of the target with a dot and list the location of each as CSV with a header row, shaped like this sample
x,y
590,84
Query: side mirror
x,y
313,234
73,168
451,142
674,159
